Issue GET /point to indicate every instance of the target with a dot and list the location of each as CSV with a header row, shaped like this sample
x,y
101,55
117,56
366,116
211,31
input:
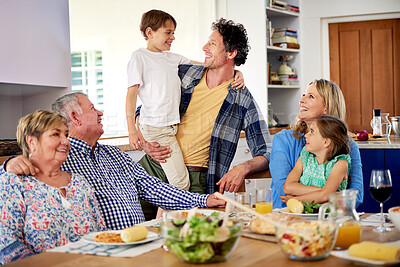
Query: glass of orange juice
x,y
349,233
263,200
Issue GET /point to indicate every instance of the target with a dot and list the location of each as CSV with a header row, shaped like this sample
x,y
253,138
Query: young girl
x,y
324,162
153,75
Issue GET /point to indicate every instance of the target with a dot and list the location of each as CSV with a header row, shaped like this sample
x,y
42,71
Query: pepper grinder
x,y
376,123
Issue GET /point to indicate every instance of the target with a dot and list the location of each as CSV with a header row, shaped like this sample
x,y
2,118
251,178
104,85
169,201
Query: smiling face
x,y
90,120
161,39
312,105
215,53
52,146
314,140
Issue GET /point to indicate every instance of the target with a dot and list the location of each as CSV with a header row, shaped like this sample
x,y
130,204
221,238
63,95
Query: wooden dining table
x,y
249,252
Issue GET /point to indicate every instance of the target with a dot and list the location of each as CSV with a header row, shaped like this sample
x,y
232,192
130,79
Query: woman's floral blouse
x,y
34,217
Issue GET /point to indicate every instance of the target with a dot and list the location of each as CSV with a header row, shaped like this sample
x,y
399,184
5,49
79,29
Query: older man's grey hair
x,y
67,103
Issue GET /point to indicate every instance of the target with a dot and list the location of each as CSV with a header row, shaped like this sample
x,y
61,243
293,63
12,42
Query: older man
x,y
118,181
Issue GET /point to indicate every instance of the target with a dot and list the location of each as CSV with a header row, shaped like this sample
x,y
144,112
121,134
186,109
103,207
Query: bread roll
x,y
261,226
375,251
134,233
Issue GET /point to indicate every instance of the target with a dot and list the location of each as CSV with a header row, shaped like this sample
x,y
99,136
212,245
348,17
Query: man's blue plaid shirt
x,y
238,112
119,182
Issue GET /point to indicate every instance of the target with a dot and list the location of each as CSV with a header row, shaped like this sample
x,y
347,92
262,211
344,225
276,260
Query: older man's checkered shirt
x,y
119,182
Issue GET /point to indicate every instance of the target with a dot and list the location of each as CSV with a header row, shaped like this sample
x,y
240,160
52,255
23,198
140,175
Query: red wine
x,y
382,193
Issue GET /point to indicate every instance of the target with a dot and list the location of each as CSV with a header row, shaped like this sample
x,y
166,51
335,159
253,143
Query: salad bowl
x,y
306,240
199,239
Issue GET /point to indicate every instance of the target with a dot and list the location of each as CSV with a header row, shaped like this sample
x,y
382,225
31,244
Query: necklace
x,y
64,200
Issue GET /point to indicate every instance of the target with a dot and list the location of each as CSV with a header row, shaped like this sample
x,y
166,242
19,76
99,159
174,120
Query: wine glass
x,y
380,187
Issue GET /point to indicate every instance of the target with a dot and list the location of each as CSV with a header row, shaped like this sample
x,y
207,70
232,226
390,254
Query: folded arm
x,y
321,194
293,186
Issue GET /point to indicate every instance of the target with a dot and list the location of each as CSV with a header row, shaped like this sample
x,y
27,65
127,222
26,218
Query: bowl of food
x,y
200,239
306,240
394,214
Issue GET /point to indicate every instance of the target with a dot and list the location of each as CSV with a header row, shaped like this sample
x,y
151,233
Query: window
x,y
87,75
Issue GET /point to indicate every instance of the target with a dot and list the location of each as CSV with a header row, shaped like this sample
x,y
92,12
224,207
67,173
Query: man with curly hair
x,y
212,116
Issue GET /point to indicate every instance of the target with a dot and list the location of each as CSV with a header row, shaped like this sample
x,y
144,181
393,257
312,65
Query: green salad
x,y
311,207
200,239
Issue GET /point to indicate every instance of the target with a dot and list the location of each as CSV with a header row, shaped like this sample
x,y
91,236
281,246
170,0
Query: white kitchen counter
x,y
393,142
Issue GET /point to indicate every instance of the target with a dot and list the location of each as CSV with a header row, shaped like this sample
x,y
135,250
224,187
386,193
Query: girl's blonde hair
x,y
333,100
336,130
35,124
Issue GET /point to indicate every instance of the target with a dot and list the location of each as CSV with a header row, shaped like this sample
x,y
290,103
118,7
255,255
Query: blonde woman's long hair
x,y
333,100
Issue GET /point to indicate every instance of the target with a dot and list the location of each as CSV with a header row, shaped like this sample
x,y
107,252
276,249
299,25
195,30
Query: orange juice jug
x,y
342,211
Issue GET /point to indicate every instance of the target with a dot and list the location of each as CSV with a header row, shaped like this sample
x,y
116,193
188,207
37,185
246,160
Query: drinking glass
x,y
386,125
245,199
380,187
263,200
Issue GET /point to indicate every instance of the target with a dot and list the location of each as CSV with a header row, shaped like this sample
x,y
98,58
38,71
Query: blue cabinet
x,y
380,159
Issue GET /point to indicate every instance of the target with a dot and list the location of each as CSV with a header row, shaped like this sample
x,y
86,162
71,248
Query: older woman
x,y
321,97
53,207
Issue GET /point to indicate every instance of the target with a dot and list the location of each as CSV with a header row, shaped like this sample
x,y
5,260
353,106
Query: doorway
x,y
365,63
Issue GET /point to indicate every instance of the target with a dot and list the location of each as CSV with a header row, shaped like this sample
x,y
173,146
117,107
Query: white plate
x,y
345,255
309,216
90,239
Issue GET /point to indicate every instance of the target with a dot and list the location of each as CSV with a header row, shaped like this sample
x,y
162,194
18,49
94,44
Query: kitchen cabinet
x,y
380,159
278,95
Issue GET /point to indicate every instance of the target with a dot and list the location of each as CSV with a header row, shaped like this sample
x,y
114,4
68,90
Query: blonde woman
x,y
53,207
322,97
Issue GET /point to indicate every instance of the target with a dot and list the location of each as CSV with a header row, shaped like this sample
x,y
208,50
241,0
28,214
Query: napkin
x,y
375,220
82,247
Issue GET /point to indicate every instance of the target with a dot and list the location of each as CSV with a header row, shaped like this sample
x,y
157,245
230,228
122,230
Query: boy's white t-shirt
x,y
159,85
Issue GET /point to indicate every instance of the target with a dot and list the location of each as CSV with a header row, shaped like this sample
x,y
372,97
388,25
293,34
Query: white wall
x,y
252,15
314,30
10,113
35,57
